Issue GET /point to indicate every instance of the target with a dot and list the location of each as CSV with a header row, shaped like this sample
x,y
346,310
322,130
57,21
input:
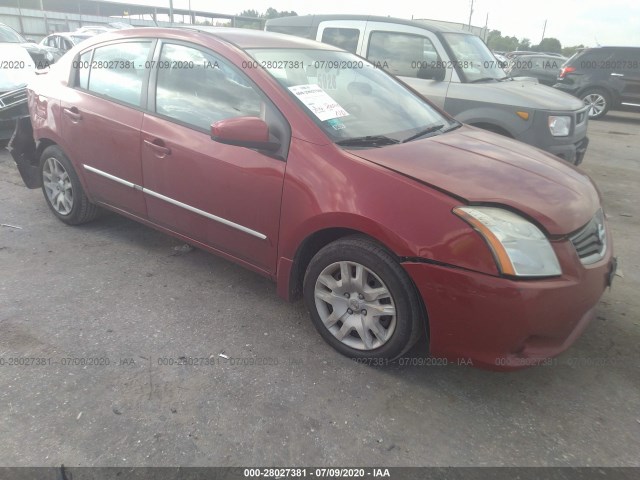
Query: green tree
x,y
548,45
525,44
249,13
569,51
269,13
495,41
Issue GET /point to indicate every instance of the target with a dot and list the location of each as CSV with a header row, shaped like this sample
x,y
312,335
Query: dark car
x,y
545,68
42,56
388,216
605,78
16,71
62,42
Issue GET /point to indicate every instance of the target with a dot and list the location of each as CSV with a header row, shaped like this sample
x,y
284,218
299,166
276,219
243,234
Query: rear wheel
x,y
598,101
361,300
62,189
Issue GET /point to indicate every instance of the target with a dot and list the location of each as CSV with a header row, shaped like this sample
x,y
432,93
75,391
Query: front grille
x,y
581,117
13,98
591,241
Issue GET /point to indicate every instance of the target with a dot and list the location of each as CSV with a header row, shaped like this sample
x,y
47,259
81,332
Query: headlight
x,y
519,247
559,126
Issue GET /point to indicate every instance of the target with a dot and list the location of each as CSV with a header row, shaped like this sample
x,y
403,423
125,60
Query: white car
x,y
16,70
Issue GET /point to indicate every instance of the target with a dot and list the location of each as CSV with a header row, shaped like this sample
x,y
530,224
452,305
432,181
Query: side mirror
x,y
249,132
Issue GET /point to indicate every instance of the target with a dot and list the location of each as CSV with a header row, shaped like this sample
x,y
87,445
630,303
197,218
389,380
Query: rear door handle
x,y
73,114
159,148
617,75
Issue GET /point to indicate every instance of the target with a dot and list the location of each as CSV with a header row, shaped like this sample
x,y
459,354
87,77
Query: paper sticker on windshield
x,y
319,102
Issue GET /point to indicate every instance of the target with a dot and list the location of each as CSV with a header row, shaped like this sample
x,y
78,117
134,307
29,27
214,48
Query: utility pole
x,y
171,11
470,14
544,29
486,30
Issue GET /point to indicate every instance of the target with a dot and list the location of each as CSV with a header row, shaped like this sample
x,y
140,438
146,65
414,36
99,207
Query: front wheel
x,y
598,102
361,300
62,189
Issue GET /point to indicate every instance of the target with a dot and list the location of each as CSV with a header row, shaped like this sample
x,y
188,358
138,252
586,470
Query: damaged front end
x,y
23,150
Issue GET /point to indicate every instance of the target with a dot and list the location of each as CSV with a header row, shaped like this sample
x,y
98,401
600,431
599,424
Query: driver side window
x,y
403,54
198,88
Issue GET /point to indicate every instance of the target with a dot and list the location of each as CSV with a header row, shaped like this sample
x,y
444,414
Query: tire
x,y
386,303
62,189
599,101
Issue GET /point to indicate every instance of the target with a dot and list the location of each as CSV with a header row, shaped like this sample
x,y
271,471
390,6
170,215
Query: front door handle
x,y
159,148
617,75
73,114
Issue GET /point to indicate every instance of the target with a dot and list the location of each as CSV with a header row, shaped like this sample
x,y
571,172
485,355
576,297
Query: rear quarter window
x,y
345,38
304,32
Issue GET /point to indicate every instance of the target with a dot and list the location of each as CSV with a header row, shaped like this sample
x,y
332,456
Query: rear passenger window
x,y
198,88
82,73
345,38
117,71
403,54
594,60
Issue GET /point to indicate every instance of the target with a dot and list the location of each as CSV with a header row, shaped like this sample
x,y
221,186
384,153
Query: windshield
x,y
79,38
349,97
9,35
473,58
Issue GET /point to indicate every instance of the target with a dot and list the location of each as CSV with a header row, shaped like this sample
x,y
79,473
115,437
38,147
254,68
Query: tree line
x,y
496,42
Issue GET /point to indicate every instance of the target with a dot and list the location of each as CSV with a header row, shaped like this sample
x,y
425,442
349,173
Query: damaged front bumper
x,y
13,106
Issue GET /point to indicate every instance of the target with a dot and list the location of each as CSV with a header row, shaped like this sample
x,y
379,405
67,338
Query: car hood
x,y
520,93
482,167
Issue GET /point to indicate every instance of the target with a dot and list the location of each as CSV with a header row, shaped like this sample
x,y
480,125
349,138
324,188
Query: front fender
x,y
504,118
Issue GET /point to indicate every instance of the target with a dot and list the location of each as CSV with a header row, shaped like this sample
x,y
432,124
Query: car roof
x,y
314,20
610,47
242,38
71,34
249,38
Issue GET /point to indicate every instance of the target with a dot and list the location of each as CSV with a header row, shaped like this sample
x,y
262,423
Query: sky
x,y
573,22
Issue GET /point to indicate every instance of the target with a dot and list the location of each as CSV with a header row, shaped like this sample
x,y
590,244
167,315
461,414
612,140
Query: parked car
x,y
457,71
62,42
518,53
42,56
16,70
544,68
503,61
97,29
387,215
604,78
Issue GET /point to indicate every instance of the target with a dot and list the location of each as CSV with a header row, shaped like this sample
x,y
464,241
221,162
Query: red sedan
x,y
311,166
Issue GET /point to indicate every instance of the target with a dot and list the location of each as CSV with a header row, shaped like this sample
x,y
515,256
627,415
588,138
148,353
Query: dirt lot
x,y
119,293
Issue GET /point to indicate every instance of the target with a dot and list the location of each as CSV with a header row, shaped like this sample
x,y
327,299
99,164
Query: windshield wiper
x,y
483,79
455,124
368,141
421,133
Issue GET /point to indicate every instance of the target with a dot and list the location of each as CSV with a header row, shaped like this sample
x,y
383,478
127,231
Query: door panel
x,y
105,146
225,196
627,73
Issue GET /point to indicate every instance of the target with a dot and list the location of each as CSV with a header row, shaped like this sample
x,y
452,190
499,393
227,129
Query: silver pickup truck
x,y
457,72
